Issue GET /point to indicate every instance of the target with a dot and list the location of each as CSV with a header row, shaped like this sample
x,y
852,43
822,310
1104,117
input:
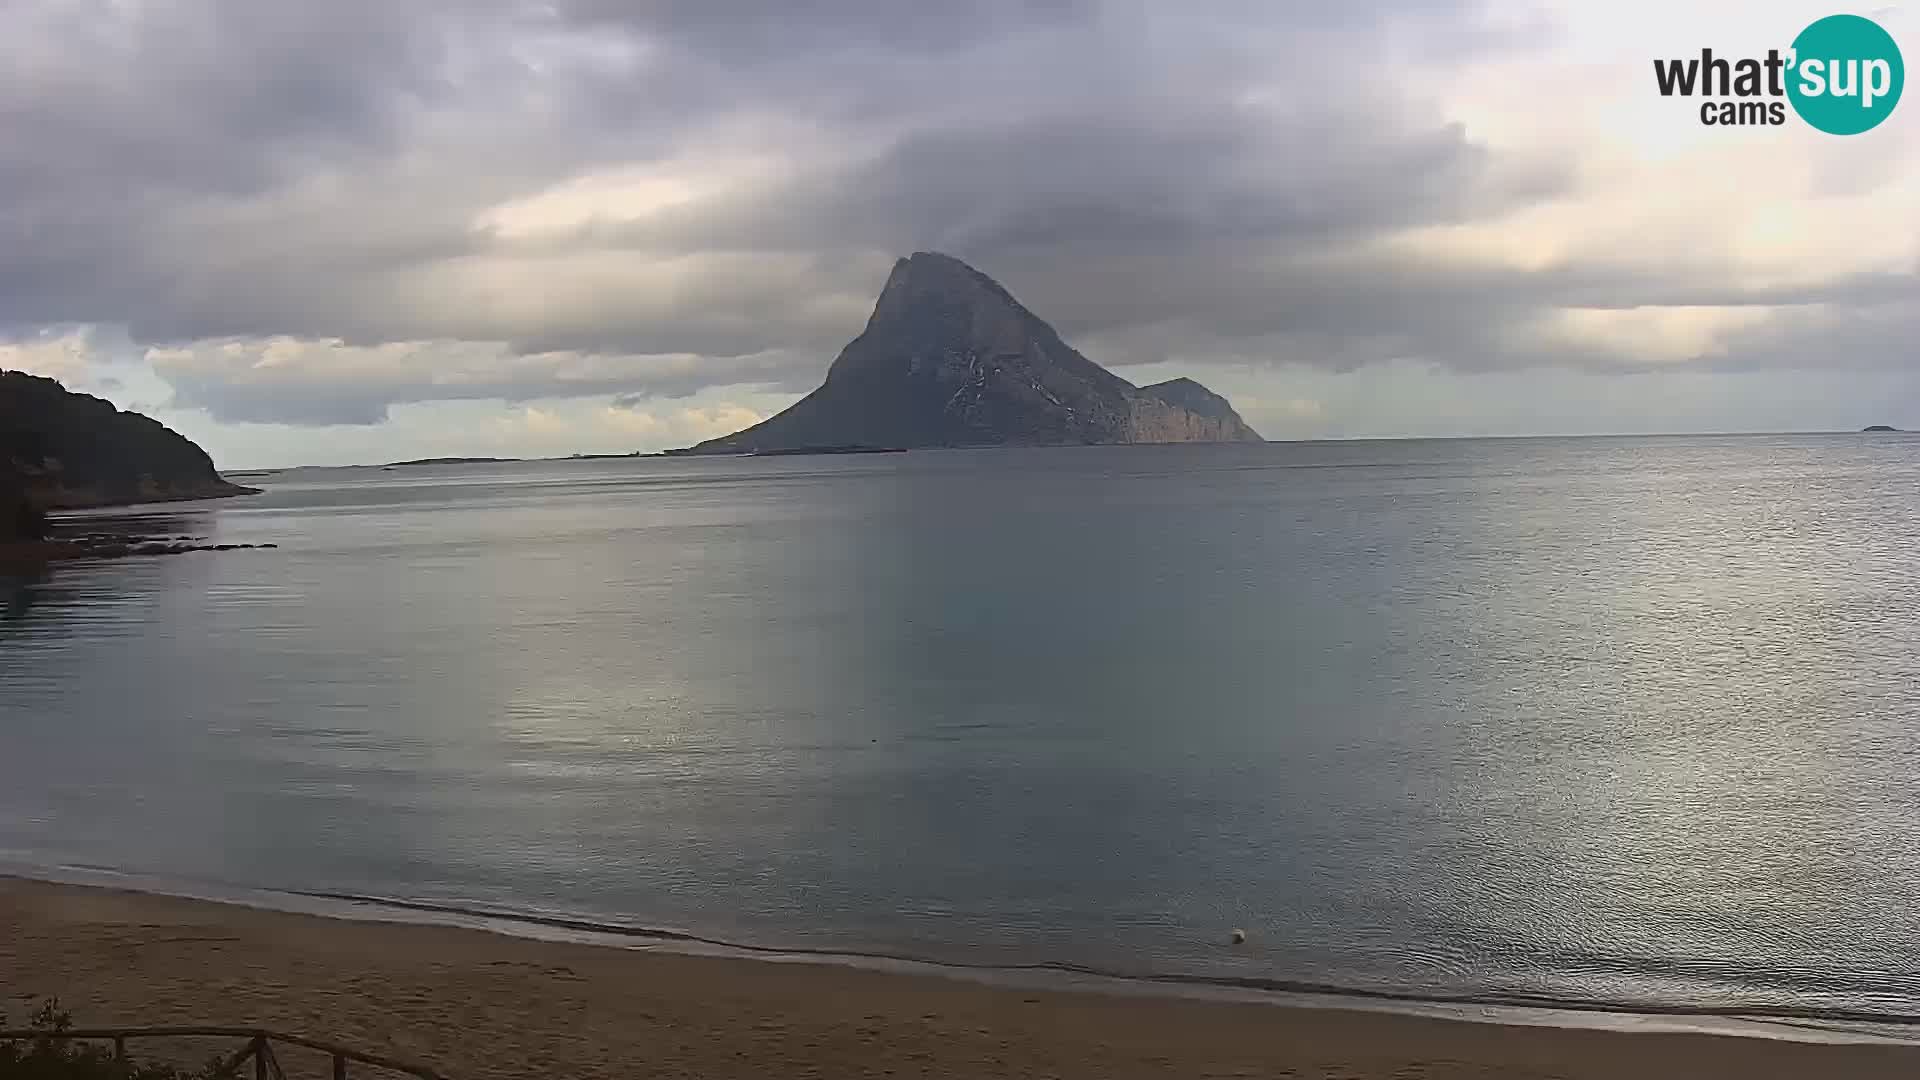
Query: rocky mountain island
x,y
949,358
62,450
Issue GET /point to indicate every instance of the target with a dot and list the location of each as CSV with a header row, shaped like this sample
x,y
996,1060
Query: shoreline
x,y
225,490
60,930
1750,1021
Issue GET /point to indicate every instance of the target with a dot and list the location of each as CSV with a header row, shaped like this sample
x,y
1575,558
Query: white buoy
x,y
1239,937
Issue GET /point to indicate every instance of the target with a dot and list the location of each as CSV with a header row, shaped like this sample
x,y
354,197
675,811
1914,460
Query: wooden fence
x,y
258,1048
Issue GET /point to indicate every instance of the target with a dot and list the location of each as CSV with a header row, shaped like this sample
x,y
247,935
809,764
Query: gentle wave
x,y
1757,1020
1229,982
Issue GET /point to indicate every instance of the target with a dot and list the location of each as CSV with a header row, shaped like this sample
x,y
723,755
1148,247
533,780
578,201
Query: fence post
x,y
231,1067
119,1048
339,1067
259,1057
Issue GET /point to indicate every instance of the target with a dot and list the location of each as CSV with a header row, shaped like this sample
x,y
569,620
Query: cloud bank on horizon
x,y
313,232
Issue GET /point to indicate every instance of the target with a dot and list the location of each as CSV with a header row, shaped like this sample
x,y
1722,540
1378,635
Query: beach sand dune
x,y
475,1005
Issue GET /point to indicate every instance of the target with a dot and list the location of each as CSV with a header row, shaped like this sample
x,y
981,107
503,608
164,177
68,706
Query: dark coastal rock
x,y
65,451
1879,427
45,551
949,358
20,517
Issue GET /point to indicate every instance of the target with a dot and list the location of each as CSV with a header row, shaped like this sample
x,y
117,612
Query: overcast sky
x,y
366,229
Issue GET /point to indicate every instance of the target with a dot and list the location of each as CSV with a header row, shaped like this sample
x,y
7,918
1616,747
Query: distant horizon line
x,y
461,459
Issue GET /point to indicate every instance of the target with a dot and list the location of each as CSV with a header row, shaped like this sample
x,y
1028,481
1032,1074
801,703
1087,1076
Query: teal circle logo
x,y
1846,75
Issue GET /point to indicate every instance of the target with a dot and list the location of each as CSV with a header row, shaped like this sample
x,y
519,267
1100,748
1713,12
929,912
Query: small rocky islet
x,y
61,549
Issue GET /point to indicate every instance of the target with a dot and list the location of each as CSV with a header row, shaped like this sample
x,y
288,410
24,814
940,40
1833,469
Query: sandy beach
x,y
477,1004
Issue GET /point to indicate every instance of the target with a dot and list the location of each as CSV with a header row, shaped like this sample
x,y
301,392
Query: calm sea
x,y
1632,721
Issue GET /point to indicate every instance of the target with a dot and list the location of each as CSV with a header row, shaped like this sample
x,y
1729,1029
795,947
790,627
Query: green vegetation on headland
x,y
62,450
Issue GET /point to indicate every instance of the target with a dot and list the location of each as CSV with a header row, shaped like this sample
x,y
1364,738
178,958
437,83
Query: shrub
x,y
47,1056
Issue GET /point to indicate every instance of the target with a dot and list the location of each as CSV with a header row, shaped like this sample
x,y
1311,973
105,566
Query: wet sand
x,y
474,1004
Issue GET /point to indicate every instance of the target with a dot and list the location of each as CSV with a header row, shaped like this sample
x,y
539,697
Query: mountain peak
x,y
929,276
950,358
935,265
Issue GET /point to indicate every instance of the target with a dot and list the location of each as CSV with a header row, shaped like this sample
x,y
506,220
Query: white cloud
x,y
328,381
558,428
67,356
1646,335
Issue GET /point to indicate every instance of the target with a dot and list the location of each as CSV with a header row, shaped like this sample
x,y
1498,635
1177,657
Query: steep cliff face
x,y
66,450
949,358
1181,410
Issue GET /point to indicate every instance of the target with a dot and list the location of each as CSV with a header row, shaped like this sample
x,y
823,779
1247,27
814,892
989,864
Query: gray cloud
x,y
325,383
1152,179
753,30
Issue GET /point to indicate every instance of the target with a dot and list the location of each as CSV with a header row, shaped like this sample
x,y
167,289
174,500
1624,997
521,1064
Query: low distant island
x,y
855,448
950,359
449,461
1879,427
800,451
